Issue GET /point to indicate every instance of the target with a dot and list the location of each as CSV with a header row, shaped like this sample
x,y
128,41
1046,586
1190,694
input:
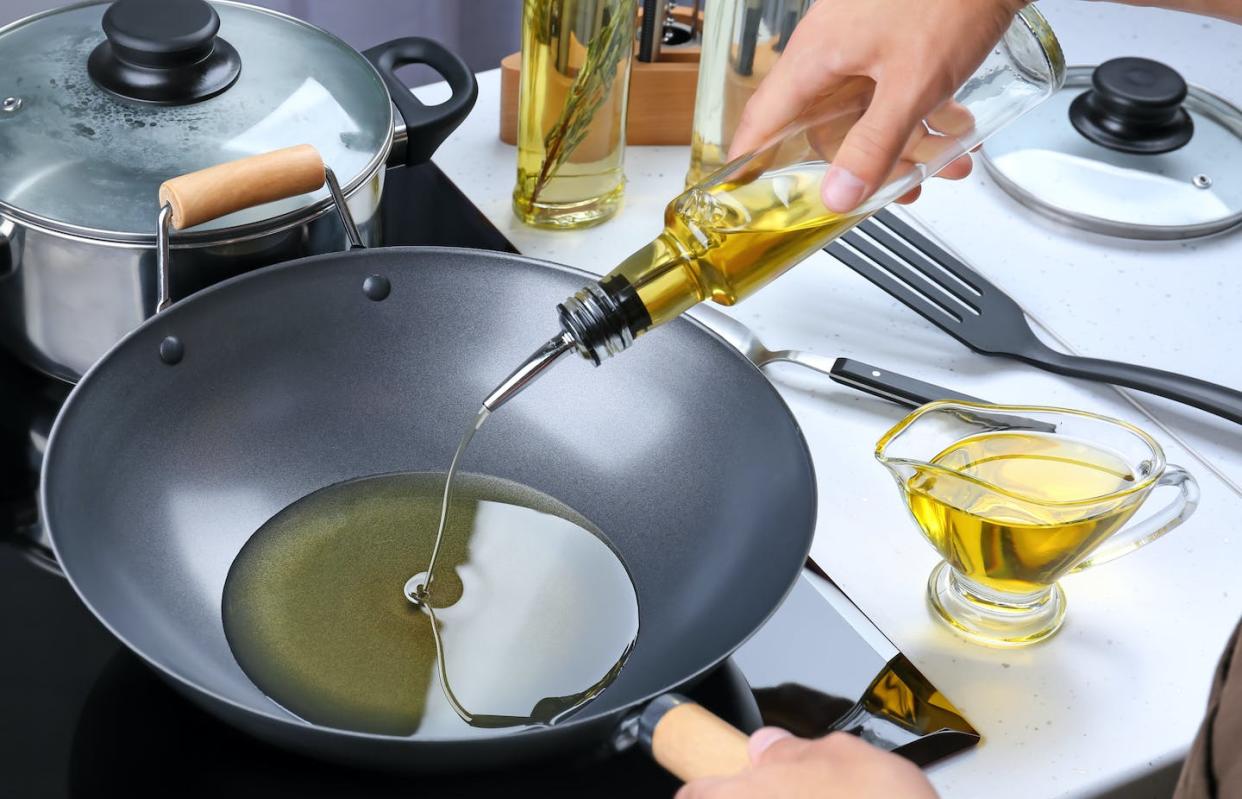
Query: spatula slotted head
x,y
939,287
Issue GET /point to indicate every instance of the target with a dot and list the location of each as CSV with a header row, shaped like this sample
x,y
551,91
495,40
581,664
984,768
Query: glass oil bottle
x,y
746,224
574,83
742,39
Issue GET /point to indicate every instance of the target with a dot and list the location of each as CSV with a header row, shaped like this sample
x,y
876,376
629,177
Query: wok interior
x,y
679,451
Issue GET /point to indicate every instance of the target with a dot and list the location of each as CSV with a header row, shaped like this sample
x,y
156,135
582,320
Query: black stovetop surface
x,y
80,716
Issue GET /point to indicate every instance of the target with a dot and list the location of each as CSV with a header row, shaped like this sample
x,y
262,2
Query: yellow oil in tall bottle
x,y
724,241
572,103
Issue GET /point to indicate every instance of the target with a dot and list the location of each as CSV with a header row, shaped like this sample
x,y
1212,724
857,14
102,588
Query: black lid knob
x,y
163,51
1134,106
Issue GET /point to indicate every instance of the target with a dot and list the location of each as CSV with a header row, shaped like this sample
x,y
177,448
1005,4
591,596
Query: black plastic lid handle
x,y
1134,106
426,126
164,52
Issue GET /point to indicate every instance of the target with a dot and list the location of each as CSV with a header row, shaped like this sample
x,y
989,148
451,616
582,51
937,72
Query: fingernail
x,y
763,738
842,190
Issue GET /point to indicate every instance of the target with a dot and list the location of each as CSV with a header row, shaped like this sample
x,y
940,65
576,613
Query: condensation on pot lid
x,y
1118,156
80,158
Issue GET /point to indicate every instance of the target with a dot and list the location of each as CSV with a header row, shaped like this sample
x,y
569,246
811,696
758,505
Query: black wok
x,y
166,458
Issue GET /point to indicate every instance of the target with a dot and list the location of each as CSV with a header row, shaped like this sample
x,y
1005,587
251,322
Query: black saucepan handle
x,y
1210,397
426,126
890,385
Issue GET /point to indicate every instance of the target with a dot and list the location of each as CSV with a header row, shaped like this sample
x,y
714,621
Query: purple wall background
x,y
480,31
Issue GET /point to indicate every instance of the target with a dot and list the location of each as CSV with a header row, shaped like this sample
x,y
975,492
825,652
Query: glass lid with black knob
x,y
1126,149
101,102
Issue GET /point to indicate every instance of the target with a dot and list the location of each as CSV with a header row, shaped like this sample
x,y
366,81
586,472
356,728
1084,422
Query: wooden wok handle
x,y
210,193
690,741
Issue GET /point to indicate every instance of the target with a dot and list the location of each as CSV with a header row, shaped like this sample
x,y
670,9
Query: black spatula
x,y
958,300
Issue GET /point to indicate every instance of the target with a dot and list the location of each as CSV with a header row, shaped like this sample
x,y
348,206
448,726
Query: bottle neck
x,y
604,318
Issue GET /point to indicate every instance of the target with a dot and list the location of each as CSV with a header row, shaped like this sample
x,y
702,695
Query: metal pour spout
x,y
531,369
592,324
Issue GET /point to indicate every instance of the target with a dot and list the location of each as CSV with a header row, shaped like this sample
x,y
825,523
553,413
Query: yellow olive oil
x,y
571,117
1056,501
724,241
530,616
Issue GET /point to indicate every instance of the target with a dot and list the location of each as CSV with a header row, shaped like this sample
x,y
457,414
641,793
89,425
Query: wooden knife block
x,y
661,105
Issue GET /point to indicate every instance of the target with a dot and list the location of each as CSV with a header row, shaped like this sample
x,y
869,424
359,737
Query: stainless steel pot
x,y
102,102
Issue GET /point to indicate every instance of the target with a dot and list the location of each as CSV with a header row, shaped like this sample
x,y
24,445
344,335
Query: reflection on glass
x,y
310,109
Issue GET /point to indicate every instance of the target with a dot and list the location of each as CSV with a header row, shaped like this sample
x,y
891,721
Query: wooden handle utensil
x,y
207,194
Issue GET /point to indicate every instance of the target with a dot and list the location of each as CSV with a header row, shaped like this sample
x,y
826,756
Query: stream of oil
x,y
530,616
416,588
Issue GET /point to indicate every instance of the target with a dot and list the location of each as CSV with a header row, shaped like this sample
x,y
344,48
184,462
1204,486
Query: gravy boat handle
x,y
1133,536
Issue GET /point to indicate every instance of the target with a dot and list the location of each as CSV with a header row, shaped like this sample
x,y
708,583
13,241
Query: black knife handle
x,y
915,393
1220,400
891,385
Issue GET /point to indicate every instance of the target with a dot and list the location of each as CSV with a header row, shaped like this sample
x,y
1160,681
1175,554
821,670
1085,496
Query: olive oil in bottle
x,y
572,106
722,242
531,614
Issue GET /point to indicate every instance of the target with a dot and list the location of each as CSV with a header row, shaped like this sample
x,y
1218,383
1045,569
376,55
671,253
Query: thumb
x,y
870,149
762,739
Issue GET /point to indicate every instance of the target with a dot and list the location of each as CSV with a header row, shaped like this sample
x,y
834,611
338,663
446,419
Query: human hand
x,y
911,54
837,766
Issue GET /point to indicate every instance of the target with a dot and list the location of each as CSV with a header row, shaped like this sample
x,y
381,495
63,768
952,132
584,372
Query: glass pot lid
x,y
1126,149
90,125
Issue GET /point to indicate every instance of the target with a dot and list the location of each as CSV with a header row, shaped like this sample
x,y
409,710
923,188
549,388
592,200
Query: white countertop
x,y
1119,692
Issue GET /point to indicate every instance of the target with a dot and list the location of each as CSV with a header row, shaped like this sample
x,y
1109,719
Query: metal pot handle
x,y
199,197
7,265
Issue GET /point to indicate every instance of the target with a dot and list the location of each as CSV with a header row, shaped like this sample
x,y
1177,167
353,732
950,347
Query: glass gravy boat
x,y
1014,498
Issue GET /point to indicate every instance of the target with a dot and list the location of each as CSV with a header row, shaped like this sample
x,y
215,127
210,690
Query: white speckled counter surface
x,y
1117,695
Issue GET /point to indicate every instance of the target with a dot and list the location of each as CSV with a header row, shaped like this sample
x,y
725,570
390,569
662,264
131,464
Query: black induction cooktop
x,y
80,716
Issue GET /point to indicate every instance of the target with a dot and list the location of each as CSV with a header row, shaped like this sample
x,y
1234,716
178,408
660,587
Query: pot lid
x,y
1126,149
91,124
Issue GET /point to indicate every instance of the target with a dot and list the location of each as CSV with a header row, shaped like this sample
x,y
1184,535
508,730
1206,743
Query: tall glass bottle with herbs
x,y
571,110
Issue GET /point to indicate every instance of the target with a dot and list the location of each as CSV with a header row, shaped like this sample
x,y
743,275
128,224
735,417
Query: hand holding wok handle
x,y
200,197
691,742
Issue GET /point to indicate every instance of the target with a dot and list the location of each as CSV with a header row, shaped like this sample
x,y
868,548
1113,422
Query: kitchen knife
x,y
913,393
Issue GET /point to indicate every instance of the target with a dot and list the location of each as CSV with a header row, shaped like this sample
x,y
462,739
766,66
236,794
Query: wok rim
x,y
578,722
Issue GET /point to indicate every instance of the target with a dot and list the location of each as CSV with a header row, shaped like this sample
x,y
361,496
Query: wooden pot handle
x,y
210,193
691,742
